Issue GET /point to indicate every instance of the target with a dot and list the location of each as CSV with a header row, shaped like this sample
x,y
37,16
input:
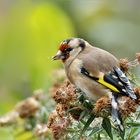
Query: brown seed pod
x,y
124,64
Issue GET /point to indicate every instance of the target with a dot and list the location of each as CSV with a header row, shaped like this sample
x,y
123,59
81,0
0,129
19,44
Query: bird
x,y
96,72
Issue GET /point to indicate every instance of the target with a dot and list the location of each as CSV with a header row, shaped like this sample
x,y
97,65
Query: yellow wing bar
x,y
108,85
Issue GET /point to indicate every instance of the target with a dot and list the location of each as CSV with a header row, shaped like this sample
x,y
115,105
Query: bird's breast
x,y
93,89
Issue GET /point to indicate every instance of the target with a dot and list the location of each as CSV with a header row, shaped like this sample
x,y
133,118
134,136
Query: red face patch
x,y
63,46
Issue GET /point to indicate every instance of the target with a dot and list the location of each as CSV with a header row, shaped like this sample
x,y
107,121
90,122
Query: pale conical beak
x,y
58,56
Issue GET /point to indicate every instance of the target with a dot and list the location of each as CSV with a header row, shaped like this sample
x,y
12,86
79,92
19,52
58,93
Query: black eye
x,y
68,49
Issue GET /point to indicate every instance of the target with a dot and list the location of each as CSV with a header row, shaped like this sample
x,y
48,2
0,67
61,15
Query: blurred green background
x,y
31,30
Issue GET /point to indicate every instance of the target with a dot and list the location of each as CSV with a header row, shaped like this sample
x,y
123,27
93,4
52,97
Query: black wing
x,y
121,82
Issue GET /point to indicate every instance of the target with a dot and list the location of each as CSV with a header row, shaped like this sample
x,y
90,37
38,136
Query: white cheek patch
x,y
74,42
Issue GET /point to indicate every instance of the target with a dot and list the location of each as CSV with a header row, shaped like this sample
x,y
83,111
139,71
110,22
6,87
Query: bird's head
x,y
69,47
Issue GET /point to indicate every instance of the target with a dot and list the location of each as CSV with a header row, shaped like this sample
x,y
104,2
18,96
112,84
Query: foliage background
x,y
30,31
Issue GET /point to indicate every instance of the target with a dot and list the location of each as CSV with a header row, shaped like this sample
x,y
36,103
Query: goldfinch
x,y
95,71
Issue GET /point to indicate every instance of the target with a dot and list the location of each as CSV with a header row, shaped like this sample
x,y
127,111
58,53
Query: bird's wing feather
x,y
122,77
115,80
97,60
120,81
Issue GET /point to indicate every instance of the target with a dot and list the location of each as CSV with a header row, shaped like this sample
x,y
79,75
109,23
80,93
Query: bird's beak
x,y
59,55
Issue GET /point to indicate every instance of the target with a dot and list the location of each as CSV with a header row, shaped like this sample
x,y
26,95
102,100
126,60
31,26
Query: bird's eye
x,y
68,49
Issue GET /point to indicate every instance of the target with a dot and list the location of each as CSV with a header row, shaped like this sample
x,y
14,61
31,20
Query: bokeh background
x,y
31,30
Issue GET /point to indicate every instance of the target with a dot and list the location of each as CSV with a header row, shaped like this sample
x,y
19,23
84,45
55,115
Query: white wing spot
x,y
120,83
123,90
114,76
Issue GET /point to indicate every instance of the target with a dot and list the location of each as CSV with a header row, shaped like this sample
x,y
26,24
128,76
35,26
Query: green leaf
x,y
83,122
89,121
95,130
122,133
133,133
99,138
83,114
134,124
81,98
107,126
87,104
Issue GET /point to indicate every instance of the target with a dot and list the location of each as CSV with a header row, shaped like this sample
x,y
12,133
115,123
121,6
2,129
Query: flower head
x,y
124,64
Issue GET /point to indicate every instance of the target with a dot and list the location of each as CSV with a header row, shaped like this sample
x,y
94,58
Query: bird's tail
x,y
115,112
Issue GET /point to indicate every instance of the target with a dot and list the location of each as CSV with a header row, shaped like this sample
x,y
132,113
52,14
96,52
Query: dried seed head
x,y
126,106
61,109
52,118
9,118
101,104
27,107
58,126
124,64
65,94
137,92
